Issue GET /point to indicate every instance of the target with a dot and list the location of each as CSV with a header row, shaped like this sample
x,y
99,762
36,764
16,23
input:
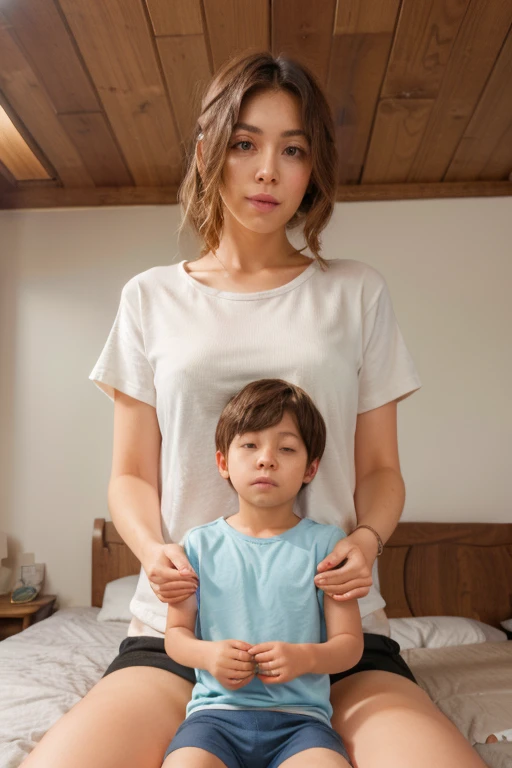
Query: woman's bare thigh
x,y
387,721
127,719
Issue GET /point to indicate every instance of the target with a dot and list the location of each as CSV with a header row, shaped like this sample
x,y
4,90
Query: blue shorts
x,y
244,738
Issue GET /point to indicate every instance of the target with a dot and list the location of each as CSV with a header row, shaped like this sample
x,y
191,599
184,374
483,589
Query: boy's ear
x,y
222,465
311,471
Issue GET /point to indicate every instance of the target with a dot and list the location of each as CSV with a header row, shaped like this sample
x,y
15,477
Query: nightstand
x,y
15,617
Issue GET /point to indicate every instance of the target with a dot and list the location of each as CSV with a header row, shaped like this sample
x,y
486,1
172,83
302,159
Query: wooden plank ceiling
x,y
98,97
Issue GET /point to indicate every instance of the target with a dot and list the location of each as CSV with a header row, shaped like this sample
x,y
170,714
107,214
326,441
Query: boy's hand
x,y
229,663
280,662
170,574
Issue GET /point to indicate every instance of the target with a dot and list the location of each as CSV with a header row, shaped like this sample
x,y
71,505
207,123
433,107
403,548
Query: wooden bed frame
x,y
426,569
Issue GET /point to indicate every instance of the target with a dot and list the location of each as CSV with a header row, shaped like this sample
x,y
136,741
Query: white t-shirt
x,y
186,348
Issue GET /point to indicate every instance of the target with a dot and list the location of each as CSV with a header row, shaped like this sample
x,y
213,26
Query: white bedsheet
x,y
47,669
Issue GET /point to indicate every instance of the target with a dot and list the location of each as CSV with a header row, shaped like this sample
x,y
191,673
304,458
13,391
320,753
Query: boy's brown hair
x,y
262,404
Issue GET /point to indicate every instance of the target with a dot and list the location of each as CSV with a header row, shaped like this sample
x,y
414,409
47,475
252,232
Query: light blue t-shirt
x,y
258,590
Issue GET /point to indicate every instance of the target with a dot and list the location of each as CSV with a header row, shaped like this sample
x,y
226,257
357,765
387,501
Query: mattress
x,y
50,666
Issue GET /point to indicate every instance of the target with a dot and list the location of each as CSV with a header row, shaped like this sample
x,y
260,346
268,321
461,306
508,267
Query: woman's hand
x,y
229,662
279,662
170,574
354,578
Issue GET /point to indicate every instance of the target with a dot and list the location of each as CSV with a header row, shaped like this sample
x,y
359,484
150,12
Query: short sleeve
x,y
336,534
123,363
387,371
191,552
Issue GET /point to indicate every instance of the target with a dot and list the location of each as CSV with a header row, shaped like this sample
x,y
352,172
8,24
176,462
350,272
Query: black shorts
x,y
379,653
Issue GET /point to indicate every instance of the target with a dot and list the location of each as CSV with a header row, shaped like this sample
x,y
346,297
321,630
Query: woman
x,y
188,336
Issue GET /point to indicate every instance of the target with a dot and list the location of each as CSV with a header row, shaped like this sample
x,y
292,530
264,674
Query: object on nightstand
x,y
29,584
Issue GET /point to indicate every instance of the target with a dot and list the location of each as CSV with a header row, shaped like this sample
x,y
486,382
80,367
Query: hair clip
x,y
200,136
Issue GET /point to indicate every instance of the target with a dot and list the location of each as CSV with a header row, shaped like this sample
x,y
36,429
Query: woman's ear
x,y
311,471
222,465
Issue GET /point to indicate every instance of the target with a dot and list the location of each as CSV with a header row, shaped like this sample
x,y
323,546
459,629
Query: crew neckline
x,y
236,296
255,539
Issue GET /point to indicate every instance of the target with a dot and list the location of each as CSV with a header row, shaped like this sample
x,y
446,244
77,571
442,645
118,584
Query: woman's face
x,y
268,154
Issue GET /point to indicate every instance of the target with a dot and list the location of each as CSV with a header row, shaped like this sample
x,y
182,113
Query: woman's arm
x,y
379,500
134,502
380,491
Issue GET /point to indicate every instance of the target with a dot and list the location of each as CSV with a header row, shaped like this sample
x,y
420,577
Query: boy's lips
x,y
264,481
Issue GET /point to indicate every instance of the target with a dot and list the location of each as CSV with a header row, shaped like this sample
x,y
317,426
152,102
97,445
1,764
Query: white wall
x,y
449,267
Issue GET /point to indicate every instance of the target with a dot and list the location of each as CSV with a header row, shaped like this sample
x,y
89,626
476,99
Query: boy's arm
x,y
344,645
181,644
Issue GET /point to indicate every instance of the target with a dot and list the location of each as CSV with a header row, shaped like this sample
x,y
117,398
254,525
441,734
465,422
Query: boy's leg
x,y
327,758
192,757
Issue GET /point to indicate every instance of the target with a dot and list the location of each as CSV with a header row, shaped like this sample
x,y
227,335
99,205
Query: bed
x,y
427,569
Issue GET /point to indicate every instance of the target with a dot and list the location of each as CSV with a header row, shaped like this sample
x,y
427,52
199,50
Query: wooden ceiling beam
x,y
396,137
29,104
485,150
481,36
425,37
303,30
51,49
119,50
235,25
37,197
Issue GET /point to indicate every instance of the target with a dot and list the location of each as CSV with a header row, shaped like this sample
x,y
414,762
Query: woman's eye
x,y
239,143
297,151
248,445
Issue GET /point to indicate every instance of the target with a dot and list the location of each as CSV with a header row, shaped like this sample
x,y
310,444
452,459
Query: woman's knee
x,y
383,718
128,718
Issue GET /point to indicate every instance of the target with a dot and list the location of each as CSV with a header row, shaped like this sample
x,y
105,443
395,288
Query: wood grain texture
x,y
397,134
355,78
187,73
119,51
235,25
37,113
111,559
303,31
91,136
485,150
481,35
15,153
47,43
365,16
179,17
424,41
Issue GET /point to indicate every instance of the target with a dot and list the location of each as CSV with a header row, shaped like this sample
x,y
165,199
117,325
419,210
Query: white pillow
x,y
507,625
439,631
117,598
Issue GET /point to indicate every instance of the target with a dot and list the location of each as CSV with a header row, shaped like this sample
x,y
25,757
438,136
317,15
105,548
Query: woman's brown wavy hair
x,y
243,75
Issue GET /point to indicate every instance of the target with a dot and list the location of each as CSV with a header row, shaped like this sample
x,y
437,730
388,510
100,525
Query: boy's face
x,y
268,468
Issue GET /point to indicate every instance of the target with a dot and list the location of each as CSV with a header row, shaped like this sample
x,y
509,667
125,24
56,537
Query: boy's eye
x,y
291,450
249,445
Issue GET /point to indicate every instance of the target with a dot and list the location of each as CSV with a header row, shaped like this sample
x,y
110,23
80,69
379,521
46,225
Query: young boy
x,y
263,640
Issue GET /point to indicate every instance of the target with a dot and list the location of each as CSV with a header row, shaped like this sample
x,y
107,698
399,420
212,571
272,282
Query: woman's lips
x,y
263,205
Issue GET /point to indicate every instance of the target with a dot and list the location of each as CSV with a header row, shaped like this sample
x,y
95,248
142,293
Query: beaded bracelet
x,y
379,540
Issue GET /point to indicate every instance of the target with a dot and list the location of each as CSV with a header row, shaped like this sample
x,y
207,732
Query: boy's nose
x,y
266,461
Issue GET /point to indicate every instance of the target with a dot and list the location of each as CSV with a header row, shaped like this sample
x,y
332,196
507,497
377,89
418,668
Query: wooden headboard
x,y
426,569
